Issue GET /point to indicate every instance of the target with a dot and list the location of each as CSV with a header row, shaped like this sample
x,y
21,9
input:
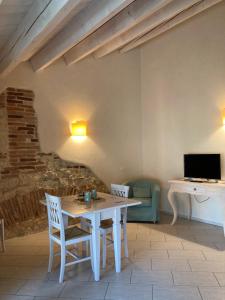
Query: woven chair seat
x,y
72,232
105,224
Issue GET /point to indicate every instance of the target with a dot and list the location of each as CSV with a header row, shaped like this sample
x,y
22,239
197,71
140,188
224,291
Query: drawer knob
x,y
195,189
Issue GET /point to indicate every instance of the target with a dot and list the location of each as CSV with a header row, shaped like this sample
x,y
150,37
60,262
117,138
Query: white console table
x,y
194,188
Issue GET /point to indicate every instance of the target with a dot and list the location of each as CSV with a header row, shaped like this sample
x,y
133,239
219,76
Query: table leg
x,y
189,207
173,205
117,238
95,222
65,220
85,245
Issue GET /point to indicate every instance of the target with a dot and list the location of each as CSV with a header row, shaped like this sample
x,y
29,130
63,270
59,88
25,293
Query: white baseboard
x,y
193,218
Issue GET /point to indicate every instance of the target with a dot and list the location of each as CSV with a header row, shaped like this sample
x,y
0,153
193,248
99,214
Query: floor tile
x,y
14,297
130,264
194,278
170,264
221,278
30,273
20,250
91,290
129,292
74,273
112,276
214,254
208,239
139,245
156,236
50,298
209,293
19,260
41,288
187,254
140,254
172,238
207,266
166,245
10,286
7,272
176,293
221,245
193,245
153,277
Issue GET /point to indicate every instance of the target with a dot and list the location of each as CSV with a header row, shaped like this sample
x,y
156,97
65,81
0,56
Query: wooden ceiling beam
x,y
82,25
185,15
41,21
159,17
126,19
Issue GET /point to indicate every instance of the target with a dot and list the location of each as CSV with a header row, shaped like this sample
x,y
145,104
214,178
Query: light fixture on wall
x,y
79,130
223,116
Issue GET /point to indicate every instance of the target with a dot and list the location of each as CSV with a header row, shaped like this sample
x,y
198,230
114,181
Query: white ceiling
x,y
11,15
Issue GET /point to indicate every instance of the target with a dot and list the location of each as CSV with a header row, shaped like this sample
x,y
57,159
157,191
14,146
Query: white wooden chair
x,y
106,226
2,234
63,236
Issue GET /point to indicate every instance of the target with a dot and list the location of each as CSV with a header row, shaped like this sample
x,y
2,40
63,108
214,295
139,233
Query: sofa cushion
x,y
141,192
145,202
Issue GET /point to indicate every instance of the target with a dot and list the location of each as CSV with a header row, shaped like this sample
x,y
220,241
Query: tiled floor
x,y
183,262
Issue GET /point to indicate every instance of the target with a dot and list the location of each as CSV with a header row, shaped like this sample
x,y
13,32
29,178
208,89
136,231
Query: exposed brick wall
x,y
25,172
3,133
23,143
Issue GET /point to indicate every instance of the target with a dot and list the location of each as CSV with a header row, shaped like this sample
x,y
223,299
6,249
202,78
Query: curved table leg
x,y
224,228
173,205
189,207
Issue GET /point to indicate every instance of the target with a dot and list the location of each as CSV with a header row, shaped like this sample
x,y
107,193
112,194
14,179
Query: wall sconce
x,y
79,130
223,116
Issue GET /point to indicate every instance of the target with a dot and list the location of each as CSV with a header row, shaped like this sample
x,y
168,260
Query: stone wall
x,y
25,172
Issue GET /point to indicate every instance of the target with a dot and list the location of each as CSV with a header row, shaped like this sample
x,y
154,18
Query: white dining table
x,y
106,207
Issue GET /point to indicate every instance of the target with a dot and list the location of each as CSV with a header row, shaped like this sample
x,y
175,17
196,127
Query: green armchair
x,y
148,192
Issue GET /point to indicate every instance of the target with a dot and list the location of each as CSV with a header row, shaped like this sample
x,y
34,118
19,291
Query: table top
x,y
204,183
74,208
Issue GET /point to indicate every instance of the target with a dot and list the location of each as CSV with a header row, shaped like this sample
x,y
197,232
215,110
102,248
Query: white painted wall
x,y
183,93
105,93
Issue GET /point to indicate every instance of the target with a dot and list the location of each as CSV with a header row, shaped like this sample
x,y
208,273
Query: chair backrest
x,y
120,190
55,219
141,183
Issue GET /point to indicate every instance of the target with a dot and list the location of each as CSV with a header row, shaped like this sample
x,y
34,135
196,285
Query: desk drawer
x,y
197,190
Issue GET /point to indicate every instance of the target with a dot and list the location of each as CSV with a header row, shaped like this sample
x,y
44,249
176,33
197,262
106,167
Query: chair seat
x,y
105,224
72,232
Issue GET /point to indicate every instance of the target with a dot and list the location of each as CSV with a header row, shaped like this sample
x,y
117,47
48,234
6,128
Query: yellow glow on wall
x,y
79,130
223,116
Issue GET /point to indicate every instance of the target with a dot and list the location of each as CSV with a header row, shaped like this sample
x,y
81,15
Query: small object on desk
x,y
94,194
87,196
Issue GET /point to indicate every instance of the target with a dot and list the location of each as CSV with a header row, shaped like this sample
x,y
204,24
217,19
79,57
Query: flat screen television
x,y
203,166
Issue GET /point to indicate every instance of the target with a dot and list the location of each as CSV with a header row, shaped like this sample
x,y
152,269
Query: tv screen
x,y
205,166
